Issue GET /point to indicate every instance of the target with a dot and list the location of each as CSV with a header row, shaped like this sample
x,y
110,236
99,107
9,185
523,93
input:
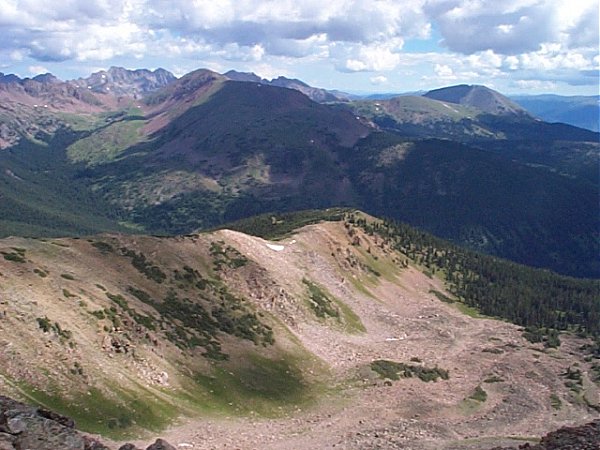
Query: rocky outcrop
x,y
29,427
584,437
24,426
161,444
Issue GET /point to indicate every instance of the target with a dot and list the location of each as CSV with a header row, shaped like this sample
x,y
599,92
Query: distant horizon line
x,y
340,90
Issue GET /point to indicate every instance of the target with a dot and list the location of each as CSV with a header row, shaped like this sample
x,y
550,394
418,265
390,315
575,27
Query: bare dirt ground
x,y
404,320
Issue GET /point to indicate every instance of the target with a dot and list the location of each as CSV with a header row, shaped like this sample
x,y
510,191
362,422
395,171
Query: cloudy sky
x,y
516,46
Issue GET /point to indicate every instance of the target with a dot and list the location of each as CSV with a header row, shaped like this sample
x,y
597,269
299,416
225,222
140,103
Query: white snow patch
x,y
450,107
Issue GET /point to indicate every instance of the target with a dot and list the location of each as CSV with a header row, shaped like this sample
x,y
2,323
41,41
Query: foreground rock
x,y
584,437
29,427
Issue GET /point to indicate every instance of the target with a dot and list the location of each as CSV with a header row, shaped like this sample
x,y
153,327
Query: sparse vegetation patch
x,y
103,247
479,395
494,379
14,256
320,303
441,296
47,326
394,371
226,255
547,336
149,269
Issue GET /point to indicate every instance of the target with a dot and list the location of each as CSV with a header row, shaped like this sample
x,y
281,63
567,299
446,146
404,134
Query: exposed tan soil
x,y
403,320
357,409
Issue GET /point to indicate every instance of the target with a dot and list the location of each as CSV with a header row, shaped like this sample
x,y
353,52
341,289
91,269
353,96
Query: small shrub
x,y
99,314
479,395
547,336
67,276
103,247
140,295
119,300
395,370
145,267
226,255
574,379
40,272
493,350
555,401
321,304
44,324
14,257
77,369
493,379
441,296
145,321
47,326
67,334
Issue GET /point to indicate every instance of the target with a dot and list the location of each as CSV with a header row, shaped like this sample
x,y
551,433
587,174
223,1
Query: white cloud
x,y
444,72
535,85
512,27
378,80
373,59
36,70
16,55
525,39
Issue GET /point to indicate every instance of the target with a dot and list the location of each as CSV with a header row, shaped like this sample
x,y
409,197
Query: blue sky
x,y
515,46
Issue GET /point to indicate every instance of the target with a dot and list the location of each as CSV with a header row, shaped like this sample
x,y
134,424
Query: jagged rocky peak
x,y
9,78
121,81
477,96
46,78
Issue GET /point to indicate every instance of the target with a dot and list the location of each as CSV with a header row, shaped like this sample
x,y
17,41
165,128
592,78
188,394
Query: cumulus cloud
x,y
513,26
101,29
378,80
36,70
370,58
482,38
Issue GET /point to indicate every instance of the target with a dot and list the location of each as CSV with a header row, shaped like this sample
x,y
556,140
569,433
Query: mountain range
x,y
580,111
144,151
234,262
